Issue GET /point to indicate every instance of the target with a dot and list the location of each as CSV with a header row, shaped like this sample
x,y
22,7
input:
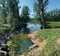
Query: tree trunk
x,y
42,18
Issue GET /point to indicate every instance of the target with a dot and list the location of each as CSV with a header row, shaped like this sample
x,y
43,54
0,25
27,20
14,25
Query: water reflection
x,y
30,28
33,27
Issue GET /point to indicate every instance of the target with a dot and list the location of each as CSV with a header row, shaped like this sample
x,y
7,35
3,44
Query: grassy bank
x,y
52,48
53,24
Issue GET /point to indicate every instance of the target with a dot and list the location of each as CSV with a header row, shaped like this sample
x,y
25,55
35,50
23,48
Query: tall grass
x,y
52,47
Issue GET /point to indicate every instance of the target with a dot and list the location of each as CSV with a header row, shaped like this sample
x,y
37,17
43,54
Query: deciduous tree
x,y
39,8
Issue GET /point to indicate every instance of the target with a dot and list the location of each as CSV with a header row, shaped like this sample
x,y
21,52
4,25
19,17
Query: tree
x,y
53,15
14,9
39,9
25,15
3,9
10,20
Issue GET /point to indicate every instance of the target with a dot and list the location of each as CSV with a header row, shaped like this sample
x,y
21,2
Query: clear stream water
x,y
31,27
27,43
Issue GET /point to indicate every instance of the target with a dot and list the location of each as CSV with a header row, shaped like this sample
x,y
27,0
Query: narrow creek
x,y
27,43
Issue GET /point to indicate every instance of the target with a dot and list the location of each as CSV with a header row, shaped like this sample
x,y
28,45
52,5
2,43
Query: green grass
x,y
52,47
48,33
53,25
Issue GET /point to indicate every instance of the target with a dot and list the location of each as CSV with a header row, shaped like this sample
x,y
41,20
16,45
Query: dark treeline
x,y
53,15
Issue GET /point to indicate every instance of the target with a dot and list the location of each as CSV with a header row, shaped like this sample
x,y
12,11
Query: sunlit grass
x,y
52,48
54,24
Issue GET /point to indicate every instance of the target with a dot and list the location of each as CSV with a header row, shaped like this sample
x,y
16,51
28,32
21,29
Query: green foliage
x,y
25,14
53,15
4,28
9,12
3,11
39,9
14,44
36,10
24,17
11,19
2,17
13,16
